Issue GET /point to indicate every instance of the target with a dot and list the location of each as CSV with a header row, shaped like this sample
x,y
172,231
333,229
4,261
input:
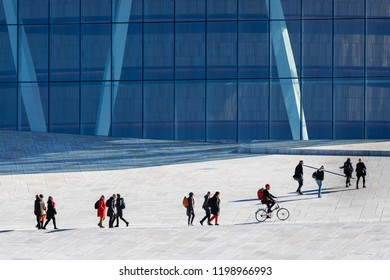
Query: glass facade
x,y
197,70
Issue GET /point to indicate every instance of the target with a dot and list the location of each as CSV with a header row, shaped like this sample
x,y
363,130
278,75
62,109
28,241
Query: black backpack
x,y
123,204
97,204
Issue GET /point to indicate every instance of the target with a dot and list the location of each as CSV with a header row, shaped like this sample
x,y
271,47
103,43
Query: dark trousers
x,y
39,223
191,218
358,179
123,219
208,214
300,184
48,220
111,221
269,203
348,176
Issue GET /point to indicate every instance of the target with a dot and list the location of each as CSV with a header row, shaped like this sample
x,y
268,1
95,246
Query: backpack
x,y
97,204
260,194
185,202
314,175
123,204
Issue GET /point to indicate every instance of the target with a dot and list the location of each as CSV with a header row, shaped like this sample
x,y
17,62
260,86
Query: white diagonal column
x,y
118,45
287,70
30,95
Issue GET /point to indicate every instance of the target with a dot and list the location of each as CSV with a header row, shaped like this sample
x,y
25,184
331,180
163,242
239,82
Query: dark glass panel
x,y
135,7
349,8
8,106
8,12
33,12
377,50
317,9
189,10
378,9
159,10
8,60
222,10
252,10
64,11
290,9
93,11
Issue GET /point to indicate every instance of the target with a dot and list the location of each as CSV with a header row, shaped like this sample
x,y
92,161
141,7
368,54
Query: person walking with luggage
x,y
51,212
120,205
190,209
111,210
206,208
215,208
100,205
360,172
298,176
319,177
348,169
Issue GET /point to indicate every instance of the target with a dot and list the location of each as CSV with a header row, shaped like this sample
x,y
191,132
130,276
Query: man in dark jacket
x,y
319,177
360,172
190,209
111,210
348,169
298,175
206,208
268,198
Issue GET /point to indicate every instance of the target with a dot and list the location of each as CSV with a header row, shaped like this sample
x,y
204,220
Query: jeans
x,y
319,183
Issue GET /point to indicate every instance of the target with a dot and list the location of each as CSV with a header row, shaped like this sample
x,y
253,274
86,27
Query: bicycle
x,y
282,213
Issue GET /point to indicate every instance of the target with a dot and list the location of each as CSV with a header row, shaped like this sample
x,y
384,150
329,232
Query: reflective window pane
x,y
317,9
377,51
93,11
64,52
33,12
378,109
190,50
8,55
289,9
222,10
317,48
317,107
158,110
8,12
253,49
127,11
221,50
159,10
95,52
65,11
189,10
127,109
349,8
221,114
158,51
378,9
348,107
64,108
253,104
190,114
127,51
252,10
8,106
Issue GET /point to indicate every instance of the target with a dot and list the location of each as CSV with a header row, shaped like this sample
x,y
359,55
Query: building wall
x,y
199,70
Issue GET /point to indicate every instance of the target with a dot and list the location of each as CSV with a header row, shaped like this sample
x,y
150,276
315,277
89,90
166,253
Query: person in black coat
x,y
348,169
360,172
120,205
268,198
190,209
298,176
206,208
215,208
111,210
319,177
51,212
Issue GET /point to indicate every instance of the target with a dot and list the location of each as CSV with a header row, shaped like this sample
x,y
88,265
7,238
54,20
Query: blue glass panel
x,y
252,10
33,53
135,12
190,114
64,52
378,109
64,108
221,50
33,96
317,107
8,41
349,8
291,9
159,10
188,10
279,123
127,109
294,34
8,12
158,51
95,51
221,112
127,52
91,94
253,49
8,106
378,9
65,11
348,105
190,50
317,9
253,104
349,48
33,12
158,110
377,51
95,11
317,40
222,10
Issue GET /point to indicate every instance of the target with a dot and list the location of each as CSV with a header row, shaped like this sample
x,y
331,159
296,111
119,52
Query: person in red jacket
x,y
101,210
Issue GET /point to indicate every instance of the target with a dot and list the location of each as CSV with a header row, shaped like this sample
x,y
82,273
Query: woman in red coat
x,y
101,210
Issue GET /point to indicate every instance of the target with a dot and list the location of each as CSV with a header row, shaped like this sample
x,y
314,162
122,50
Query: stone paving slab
x,y
345,223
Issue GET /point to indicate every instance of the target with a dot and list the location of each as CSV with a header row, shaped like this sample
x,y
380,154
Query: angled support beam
x,y
286,66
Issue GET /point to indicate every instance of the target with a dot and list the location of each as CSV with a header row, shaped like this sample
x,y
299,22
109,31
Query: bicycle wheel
x,y
282,214
261,215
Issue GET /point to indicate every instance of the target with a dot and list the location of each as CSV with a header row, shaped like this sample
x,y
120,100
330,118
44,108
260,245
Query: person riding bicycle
x,y
268,198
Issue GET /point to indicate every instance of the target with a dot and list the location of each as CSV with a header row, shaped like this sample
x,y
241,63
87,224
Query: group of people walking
x,y
318,175
211,205
114,207
44,211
